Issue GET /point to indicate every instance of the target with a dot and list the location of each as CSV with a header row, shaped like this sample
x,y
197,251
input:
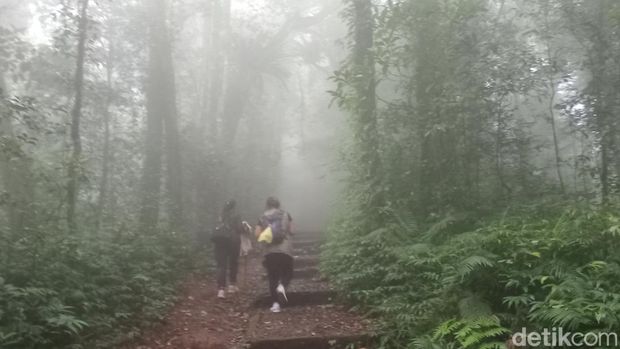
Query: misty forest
x,y
456,161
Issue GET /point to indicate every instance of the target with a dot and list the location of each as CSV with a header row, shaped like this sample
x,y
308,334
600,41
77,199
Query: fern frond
x,y
560,316
473,333
516,301
472,264
446,328
407,221
433,232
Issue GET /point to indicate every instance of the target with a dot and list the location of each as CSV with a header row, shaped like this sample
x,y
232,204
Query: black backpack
x,y
222,231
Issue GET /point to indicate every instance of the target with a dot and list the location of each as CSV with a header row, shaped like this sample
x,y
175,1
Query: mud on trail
x,y
311,319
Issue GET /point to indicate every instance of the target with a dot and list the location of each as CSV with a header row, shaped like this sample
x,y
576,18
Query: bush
x,y
447,287
88,291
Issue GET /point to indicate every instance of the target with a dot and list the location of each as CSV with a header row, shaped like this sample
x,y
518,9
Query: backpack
x,y
222,231
278,222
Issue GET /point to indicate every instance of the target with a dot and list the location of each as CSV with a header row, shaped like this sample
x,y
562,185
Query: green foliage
x,y
478,333
466,91
101,285
537,267
60,291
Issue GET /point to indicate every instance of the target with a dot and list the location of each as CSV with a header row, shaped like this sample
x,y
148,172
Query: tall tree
x,y
219,50
593,25
365,111
162,122
107,153
76,115
174,160
155,113
552,71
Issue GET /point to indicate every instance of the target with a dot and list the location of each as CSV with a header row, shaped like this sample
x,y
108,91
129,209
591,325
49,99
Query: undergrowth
x,y
87,291
452,284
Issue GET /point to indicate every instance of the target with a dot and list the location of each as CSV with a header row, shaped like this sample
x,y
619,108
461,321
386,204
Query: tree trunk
x,y
162,95
425,90
219,87
601,89
174,159
76,114
604,169
220,37
210,48
206,134
556,146
366,129
155,114
105,167
550,106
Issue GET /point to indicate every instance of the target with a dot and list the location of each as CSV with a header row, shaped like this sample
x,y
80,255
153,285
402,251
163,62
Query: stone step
x,y
303,243
321,342
299,298
303,273
306,251
309,235
306,261
310,285
308,327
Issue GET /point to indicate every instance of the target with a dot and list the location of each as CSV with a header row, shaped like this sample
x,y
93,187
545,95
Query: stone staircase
x,y
311,319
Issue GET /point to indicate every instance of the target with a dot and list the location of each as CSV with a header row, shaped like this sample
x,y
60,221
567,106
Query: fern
x,y
438,228
543,269
446,328
472,264
518,301
406,220
569,318
67,322
472,333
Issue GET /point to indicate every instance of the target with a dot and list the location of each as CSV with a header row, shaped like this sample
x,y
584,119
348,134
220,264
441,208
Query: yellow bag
x,y
266,235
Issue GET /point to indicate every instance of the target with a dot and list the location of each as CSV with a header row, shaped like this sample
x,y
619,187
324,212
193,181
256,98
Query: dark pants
x,y
279,270
227,259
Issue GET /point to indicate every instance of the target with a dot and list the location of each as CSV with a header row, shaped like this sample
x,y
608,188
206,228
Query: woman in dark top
x,y
227,244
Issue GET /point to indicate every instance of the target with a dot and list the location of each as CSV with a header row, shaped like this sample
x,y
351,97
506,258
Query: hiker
x,y
278,250
227,244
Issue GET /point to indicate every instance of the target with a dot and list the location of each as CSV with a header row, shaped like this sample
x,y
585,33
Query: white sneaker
x,y
275,308
221,294
282,293
233,289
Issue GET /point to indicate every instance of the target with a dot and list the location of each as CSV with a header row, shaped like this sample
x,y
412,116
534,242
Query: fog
x,y
161,111
184,105
426,150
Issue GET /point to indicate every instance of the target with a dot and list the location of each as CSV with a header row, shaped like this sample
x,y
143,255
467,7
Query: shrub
x,y
88,291
447,287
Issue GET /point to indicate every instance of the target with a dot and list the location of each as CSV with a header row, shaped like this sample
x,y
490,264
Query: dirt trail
x,y
310,320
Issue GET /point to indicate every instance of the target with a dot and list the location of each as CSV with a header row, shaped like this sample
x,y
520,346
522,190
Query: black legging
x,y
227,259
279,270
